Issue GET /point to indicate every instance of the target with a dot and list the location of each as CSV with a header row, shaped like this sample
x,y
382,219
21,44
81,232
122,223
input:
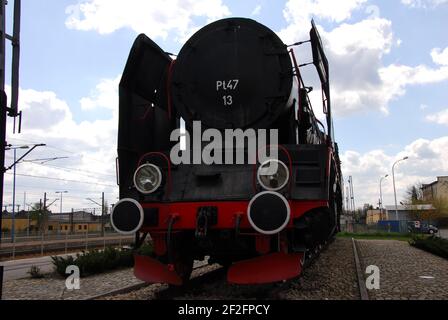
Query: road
x,y
17,269
443,233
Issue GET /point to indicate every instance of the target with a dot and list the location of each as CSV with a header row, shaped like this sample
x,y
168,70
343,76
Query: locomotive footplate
x,y
151,270
274,267
268,268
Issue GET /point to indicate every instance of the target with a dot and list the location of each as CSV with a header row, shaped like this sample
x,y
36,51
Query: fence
x,y
51,242
381,226
401,226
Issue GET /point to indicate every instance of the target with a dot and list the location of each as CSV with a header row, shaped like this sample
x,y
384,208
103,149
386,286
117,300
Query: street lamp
x,y
395,191
381,195
14,188
61,192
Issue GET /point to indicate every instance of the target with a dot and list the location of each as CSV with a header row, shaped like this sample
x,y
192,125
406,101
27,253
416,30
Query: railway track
x,y
215,275
166,291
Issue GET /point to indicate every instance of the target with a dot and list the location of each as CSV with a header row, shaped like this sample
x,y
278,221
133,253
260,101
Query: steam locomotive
x,y
262,225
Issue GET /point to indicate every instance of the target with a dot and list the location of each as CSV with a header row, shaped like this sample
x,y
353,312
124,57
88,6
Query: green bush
x,y
96,261
35,272
61,264
145,250
432,244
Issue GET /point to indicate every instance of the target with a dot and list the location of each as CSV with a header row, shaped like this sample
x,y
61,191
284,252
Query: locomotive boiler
x,y
262,225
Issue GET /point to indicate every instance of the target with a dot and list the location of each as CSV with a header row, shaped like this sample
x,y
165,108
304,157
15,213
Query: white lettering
x,y
72,282
373,280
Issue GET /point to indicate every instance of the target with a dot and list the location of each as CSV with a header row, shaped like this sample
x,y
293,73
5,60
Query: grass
x,y
377,235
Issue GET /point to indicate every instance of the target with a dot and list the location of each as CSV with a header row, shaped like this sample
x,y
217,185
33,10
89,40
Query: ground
x,y
405,273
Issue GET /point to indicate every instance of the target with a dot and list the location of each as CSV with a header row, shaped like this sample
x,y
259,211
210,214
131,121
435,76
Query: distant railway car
x,y
262,225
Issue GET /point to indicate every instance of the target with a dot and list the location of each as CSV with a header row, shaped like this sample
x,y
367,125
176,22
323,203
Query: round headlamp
x,y
273,175
147,178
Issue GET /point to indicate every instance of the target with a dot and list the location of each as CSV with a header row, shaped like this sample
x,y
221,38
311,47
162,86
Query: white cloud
x,y
104,95
423,3
89,145
355,54
426,161
439,117
256,10
439,56
377,93
424,106
156,18
298,14
360,82
42,109
370,34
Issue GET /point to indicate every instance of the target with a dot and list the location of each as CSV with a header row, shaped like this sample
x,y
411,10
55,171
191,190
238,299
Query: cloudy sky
x,y
388,68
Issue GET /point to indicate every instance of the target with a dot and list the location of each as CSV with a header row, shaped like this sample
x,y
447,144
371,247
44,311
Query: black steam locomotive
x,y
232,74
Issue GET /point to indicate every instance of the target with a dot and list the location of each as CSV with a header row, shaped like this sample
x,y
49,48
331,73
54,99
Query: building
x,y
79,221
72,222
409,212
436,190
22,222
375,215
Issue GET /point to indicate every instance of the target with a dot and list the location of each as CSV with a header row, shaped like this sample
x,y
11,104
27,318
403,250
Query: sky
x,y
388,71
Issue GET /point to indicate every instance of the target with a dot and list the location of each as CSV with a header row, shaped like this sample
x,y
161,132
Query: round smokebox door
x,y
233,73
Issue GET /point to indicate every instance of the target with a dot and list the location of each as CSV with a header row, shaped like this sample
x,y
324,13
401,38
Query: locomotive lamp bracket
x,y
206,216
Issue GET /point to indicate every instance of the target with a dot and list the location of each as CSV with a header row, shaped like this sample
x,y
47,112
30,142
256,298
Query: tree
x,y
414,194
414,197
40,215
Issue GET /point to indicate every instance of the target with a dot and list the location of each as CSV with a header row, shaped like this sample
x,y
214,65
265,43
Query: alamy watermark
x,y
373,280
73,280
230,146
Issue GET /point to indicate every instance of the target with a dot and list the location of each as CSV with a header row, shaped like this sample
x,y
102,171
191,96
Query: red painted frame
x,y
227,212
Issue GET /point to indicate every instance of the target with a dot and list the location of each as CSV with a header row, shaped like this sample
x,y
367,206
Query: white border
x,y
280,187
141,216
158,172
288,213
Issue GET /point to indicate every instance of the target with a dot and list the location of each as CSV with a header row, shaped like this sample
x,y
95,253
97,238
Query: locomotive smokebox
x,y
233,73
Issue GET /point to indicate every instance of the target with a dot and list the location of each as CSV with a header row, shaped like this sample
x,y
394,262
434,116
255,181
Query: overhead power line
x,y
62,150
65,180
90,173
